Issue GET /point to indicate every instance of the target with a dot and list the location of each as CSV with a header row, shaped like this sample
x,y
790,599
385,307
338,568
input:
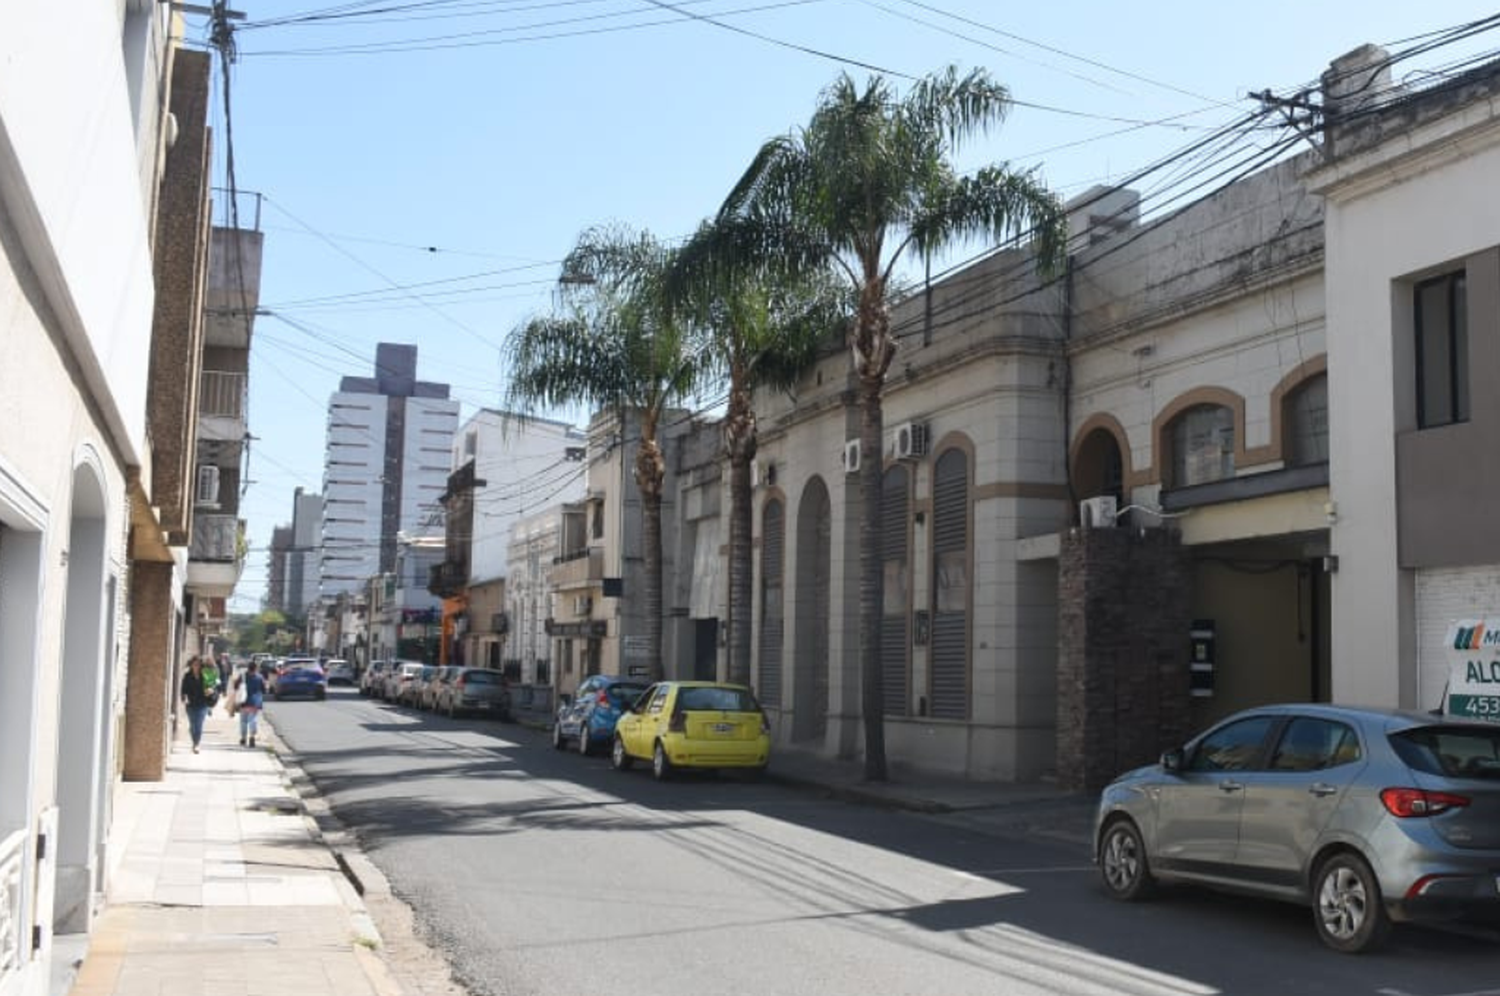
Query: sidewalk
x,y
220,884
1037,809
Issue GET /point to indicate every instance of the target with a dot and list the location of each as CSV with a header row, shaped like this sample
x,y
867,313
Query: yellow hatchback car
x,y
693,724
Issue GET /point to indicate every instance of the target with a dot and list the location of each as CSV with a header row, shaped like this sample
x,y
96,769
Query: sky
x,y
420,167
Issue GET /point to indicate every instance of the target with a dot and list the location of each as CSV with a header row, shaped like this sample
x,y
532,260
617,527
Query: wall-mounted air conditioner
x,y
207,491
1098,512
910,441
762,472
851,457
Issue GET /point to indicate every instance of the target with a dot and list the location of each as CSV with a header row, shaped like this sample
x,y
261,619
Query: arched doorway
x,y
83,724
810,671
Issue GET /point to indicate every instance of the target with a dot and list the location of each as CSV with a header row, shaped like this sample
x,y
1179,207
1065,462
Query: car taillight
x,y
604,698
765,723
459,684
1406,802
678,722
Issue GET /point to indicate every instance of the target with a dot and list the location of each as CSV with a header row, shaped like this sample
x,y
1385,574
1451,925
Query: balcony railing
x,y
572,571
447,579
221,395
215,538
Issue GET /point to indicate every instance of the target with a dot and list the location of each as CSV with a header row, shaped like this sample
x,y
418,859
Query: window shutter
x,y
208,486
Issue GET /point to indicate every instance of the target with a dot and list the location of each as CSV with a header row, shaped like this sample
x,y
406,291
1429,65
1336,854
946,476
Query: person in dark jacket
x,y
195,699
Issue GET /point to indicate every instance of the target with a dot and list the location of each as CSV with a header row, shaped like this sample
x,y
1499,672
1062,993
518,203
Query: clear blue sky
x,y
494,131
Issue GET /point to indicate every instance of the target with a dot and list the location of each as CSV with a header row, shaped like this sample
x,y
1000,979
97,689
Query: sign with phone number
x,y
1475,706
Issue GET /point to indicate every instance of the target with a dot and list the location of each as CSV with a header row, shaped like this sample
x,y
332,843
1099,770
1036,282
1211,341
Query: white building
x,y
389,444
103,269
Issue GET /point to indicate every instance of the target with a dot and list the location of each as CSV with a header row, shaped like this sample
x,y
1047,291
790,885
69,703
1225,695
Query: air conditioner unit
x,y
762,472
1098,512
583,605
207,492
910,441
851,457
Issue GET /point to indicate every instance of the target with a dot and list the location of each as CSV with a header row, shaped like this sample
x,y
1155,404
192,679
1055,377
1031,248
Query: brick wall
x,y
1122,684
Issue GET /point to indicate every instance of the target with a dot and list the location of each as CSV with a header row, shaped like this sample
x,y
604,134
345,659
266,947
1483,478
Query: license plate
x,y
723,727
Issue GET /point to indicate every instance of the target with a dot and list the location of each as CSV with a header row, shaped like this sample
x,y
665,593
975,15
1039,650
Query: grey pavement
x,y
222,884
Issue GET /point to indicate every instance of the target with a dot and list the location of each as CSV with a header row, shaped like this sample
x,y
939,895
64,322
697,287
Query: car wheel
x,y
585,742
661,766
1347,908
618,759
558,740
1122,862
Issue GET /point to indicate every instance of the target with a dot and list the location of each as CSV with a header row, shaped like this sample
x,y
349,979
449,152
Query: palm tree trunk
x,y
873,351
739,442
650,470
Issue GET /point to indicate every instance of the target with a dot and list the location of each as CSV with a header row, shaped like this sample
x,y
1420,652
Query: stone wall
x,y
1122,683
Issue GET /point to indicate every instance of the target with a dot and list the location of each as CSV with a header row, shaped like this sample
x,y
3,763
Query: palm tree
x,y
763,329
868,179
613,345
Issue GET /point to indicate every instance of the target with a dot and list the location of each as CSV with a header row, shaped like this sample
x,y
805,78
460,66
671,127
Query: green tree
x,y
869,178
613,344
763,328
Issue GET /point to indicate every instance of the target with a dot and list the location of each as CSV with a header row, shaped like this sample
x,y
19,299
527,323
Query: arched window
x,y
772,546
1305,415
895,642
1099,467
1202,445
949,682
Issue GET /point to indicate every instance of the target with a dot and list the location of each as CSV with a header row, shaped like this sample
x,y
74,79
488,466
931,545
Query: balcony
x,y
580,569
214,557
447,579
221,406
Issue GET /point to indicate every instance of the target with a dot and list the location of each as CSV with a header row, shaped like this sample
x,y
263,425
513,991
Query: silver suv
x,y
1368,816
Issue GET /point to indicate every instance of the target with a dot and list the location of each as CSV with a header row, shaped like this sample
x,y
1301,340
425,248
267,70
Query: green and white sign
x,y
1473,669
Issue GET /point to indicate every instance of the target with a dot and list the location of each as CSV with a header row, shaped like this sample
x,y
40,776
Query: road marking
x,y
1471,992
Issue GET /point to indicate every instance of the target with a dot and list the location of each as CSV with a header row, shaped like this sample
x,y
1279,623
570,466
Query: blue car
x,y
307,680
588,718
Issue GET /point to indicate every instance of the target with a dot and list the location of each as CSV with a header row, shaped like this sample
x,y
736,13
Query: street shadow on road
x,y
1010,902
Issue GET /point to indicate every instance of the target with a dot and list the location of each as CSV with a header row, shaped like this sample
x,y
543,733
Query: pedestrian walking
x,y
249,696
195,698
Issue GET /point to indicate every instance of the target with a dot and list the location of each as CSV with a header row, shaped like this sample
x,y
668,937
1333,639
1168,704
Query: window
x,y
1236,747
895,658
208,486
772,630
1314,744
1306,416
948,679
1202,446
1442,333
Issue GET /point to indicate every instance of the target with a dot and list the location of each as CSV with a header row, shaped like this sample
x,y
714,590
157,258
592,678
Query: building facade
x,y
103,269
389,444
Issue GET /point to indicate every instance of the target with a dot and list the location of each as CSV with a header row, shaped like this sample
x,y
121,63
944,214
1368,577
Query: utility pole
x,y
1301,113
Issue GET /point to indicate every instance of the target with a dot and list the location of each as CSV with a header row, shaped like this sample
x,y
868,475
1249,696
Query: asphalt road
x,y
540,872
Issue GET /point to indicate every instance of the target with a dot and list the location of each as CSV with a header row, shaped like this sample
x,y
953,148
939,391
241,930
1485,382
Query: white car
x,y
339,672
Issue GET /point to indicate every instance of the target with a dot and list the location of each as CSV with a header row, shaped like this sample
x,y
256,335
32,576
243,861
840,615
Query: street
x,y
543,872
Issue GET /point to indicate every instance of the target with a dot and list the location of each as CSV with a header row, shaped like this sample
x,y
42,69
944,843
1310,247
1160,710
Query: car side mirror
x,y
1172,760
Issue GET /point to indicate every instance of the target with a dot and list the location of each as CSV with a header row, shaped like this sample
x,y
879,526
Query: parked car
x,y
1368,816
588,718
432,688
339,672
399,678
373,678
411,693
693,724
301,678
475,689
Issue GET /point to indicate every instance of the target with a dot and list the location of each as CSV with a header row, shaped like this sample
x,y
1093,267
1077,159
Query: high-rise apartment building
x,y
389,445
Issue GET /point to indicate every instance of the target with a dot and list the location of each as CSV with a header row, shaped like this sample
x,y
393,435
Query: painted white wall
x,y
1438,198
525,468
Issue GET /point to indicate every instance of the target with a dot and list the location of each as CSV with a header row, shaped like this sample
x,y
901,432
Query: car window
x,y
659,699
624,692
1457,752
1312,744
480,678
1235,747
716,700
